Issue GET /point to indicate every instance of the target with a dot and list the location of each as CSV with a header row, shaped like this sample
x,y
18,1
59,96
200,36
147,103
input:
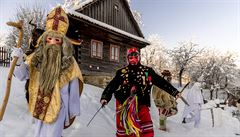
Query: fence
x,y
4,57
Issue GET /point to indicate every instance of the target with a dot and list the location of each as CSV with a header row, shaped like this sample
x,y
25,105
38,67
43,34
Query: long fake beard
x,y
52,60
50,68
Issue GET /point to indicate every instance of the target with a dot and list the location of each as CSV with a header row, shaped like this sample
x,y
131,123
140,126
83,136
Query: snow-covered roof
x,y
102,24
77,4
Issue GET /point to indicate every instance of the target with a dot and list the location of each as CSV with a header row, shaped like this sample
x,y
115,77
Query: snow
x,y
102,24
18,123
76,4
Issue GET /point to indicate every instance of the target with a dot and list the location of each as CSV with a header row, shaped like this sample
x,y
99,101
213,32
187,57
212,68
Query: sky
x,y
210,23
8,9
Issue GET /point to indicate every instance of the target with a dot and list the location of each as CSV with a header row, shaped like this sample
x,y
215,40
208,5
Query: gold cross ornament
x,y
57,20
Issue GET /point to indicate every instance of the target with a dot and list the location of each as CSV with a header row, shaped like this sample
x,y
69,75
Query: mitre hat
x,y
57,20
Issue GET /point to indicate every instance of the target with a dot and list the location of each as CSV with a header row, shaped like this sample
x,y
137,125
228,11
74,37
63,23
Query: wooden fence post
x,y
4,57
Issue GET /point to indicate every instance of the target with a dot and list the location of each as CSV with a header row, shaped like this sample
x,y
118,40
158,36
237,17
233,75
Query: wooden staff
x,y
19,26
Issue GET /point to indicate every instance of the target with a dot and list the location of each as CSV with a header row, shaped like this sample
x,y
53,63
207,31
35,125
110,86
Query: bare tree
x,y
217,70
1,40
197,68
154,55
36,14
183,55
220,71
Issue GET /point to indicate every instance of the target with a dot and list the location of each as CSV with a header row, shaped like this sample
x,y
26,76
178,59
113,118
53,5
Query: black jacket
x,y
142,77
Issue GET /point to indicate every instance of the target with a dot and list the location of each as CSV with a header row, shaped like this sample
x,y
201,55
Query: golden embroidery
x,y
55,100
41,116
46,99
41,102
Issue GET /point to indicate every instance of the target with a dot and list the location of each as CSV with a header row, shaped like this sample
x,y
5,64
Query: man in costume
x,y
131,87
195,100
166,104
56,81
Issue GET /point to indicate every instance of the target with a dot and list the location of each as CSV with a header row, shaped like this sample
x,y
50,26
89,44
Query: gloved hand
x,y
103,102
17,52
178,95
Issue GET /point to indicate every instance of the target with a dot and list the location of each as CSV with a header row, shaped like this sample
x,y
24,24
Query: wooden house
x,y
107,29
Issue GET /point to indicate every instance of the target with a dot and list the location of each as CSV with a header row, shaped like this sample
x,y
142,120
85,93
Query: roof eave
x,y
107,26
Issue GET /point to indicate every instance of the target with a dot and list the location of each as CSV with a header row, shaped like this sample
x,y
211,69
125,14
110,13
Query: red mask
x,y
133,56
133,60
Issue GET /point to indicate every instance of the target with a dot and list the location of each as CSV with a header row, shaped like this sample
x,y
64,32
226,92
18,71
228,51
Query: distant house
x,y
107,29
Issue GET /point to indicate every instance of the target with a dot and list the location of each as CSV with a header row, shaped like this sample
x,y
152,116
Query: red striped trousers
x,y
145,122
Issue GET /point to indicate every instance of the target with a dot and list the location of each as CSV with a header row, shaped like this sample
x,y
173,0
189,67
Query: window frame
x,y
113,46
97,48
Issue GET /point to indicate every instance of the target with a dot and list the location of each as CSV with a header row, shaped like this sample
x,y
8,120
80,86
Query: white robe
x,y
70,106
195,100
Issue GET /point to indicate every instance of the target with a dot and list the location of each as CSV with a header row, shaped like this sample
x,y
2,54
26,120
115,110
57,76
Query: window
x,y
116,16
114,53
96,49
116,7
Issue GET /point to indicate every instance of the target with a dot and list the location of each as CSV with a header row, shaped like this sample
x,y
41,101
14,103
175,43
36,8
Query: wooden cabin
x,y
107,29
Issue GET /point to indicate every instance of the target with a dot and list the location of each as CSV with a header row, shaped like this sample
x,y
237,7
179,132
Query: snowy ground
x,y
18,123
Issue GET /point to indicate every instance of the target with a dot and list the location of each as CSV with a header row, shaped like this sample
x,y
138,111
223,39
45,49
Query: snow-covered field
x,y
18,123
